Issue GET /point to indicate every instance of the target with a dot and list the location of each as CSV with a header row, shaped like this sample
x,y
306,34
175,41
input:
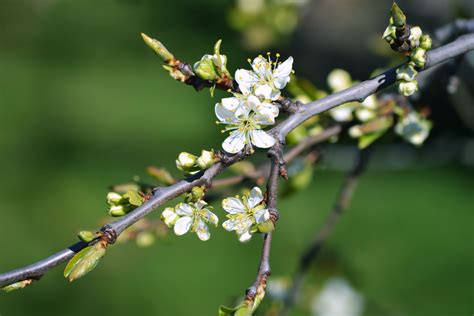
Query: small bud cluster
x,y
213,67
190,164
121,204
411,41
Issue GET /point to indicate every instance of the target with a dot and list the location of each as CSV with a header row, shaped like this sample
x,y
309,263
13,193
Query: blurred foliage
x,y
85,104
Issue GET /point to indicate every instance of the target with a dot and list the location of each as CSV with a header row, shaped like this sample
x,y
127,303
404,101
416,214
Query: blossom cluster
x,y
248,112
246,215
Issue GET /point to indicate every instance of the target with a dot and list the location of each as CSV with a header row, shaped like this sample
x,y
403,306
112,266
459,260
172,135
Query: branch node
x,y
109,234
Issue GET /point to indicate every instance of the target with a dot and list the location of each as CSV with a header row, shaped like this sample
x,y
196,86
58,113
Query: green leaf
x,y
158,48
241,310
17,286
367,139
226,311
134,198
399,18
84,261
211,90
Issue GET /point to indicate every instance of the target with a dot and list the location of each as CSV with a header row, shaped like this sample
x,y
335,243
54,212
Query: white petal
x,y
230,104
255,197
243,225
261,66
268,109
264,119
183,209
202,231
169,217
182,225
245,237
264,91
230,225
235,142
210,217
200,204
284,69
246,79
280,83
233,205
225,115
262,216
261,139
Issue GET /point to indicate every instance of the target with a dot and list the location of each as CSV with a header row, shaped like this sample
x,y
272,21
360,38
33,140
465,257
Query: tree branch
x,y
362,90
357,92
343,200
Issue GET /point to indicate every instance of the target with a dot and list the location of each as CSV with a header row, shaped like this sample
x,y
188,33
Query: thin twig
x,y
357,92
260,283
343,200
264,170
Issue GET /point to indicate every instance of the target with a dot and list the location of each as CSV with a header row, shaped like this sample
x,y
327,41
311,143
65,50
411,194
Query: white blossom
x,y
245,214
266,78
413,128
343,113
338,298
192,217
245,123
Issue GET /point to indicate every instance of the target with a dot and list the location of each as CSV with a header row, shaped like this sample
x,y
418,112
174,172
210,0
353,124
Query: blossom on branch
x,y
245,214
245,129
266,78
192,217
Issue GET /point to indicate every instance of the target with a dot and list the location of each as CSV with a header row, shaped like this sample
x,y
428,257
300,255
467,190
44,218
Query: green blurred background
x,y
85,104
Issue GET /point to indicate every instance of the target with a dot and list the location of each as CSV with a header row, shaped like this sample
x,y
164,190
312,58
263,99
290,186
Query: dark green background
x,y
84,104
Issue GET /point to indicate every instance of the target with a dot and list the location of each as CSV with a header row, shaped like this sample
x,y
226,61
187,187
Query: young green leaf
x,y
17,286
84,261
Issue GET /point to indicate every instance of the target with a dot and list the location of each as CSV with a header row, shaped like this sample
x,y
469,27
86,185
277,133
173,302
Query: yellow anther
x,y
277,55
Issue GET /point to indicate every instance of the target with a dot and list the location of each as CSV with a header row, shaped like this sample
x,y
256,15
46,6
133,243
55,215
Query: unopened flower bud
x,y
158,48
406,72
407,88
355,131
205,68
114,198
206,159
364,114
415,35
425,42
196,194
118,210
418,57
185,161
339,79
